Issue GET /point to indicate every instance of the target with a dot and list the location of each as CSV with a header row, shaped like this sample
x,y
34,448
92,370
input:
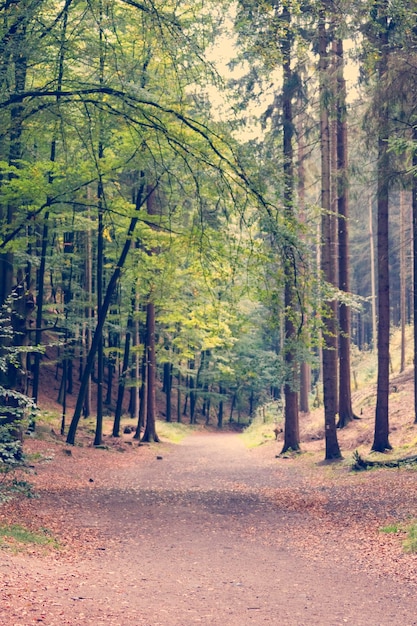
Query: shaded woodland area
x,y
221,240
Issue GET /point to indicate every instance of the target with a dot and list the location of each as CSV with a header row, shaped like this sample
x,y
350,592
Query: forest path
x,y
198,538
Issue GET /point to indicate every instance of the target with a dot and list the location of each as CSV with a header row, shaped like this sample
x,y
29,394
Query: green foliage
x,y
262,428
390,529
410,544
15,535
174,431
11,451
410,530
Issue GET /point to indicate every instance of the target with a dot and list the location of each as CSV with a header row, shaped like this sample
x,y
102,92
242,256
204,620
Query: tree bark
x,y
98,438
414,211
179,397
381,431
122,384
329,354
403,271
150,429
291,427
168,388
346,413
373,281
305,368
45,230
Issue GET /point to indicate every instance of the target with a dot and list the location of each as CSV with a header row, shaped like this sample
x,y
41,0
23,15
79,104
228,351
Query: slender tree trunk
x,y
122,384
168,388
414,212
150,428
291,428
305,369
373,280
327,260
45,230
179,397
381,433
192,394
143,393
111,363
187,394
221,410
139,412
100,363
40,297
403,270
98,439
232,407
346,414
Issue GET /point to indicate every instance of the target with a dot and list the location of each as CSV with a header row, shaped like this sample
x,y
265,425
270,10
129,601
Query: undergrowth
x,y
16,537
410,530
262,428
173,431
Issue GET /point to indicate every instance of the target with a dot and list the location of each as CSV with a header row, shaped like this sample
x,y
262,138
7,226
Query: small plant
x,y
410,544
16,534
391,528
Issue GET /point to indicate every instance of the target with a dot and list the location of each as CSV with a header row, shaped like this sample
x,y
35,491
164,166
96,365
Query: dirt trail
x,y
195,538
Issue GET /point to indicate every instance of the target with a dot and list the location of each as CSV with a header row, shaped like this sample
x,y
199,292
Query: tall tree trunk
x,y
346,414
88,315
232,407
305,369
414,212
100,361
329,355
122,383
168,388
192,394
143,392
381,432
179,396
373,281
45,230
100,246
111,364
221,410
139,390
291,428
403,271
150,429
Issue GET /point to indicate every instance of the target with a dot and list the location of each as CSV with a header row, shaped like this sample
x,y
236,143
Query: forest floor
x,y
208,531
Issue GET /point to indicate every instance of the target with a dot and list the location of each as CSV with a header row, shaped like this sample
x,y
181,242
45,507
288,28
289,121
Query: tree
x,y
381,432
345,397
150,424
291,428
328,254
414,214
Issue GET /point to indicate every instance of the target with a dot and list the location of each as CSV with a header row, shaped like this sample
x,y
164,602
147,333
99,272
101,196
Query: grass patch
x,y
410,544
16,536
173,431
390,529
261,429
